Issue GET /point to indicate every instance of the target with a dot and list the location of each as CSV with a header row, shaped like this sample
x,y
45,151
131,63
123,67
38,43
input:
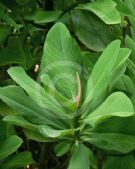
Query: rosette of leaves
x,y
9,144
67,105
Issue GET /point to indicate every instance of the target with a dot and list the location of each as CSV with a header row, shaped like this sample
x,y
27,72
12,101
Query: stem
x,y
41,163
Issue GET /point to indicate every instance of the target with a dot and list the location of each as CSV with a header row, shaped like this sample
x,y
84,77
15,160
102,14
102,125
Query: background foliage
x,y
94,132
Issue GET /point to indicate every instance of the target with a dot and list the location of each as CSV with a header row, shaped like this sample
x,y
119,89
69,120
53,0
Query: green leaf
x,y
36,92
125,84
9,146
117,104
131,45
131,6
62,148
79,157
36,136
116,125
88,28
123,8
120,66
18,161
50,88
16,53
104,9
29,110
4,32
19,121
93,160
112,134
51,133
101,76
112,142
124,54
42,17
8,20
5,110
131,70
3,132
120,162
61,53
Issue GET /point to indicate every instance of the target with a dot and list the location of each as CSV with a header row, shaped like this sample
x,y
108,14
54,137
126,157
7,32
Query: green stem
x,y
41,162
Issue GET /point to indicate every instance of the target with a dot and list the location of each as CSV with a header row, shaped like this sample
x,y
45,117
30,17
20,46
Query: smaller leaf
x,y
62,148
9,146
18,161
42,17
80,157
52,133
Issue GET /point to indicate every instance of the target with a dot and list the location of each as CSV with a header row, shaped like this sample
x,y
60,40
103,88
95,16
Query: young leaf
x,y
62,148
61,60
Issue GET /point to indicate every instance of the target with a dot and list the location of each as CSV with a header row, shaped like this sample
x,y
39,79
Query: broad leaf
x,y
113,134
61,60
112,142
117,104
104,9
88,28
120,162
